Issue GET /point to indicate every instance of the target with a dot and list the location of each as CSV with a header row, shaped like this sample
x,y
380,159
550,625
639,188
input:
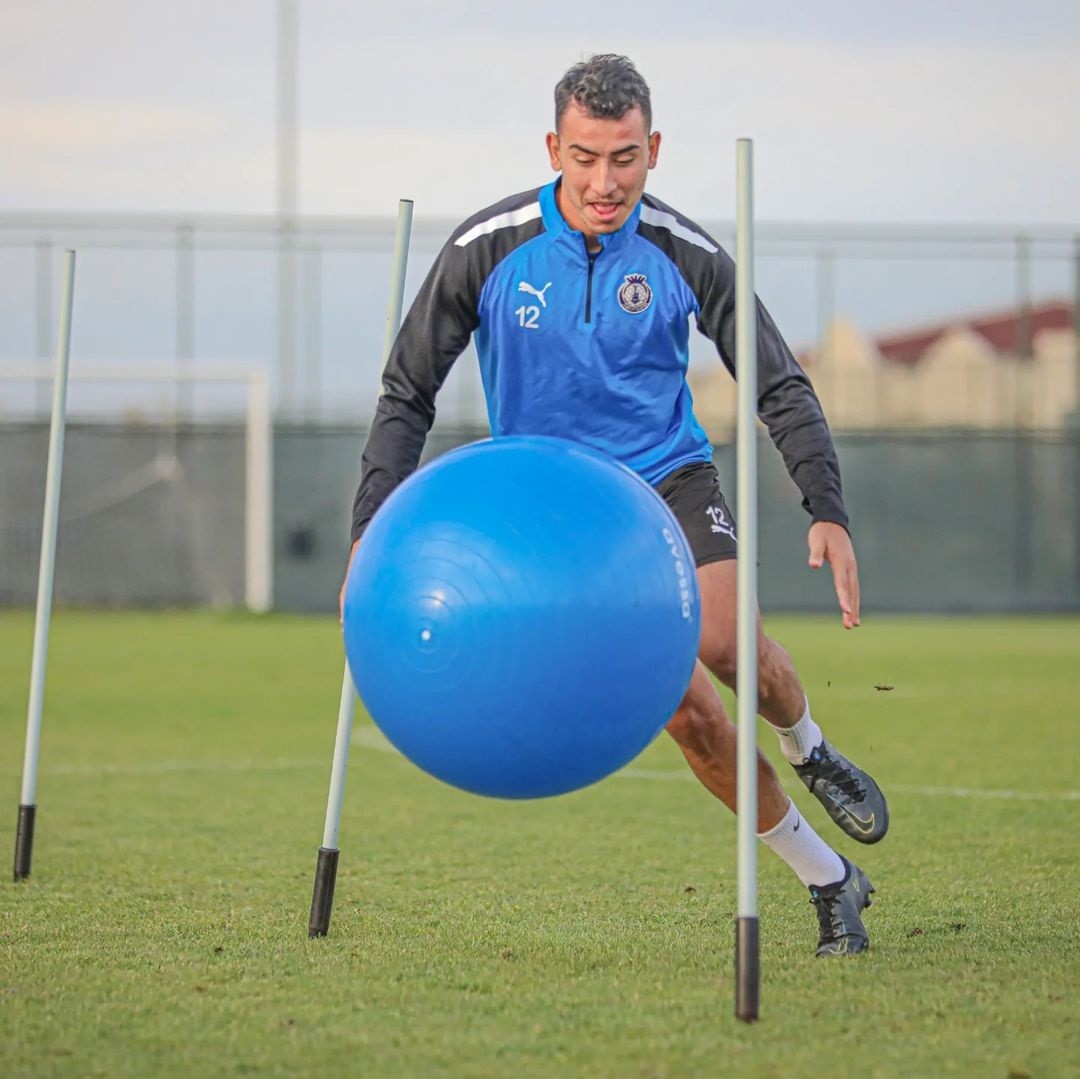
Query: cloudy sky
x,y
921,111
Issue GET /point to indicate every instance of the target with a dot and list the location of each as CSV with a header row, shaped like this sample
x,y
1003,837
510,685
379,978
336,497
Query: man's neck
x,y
592,240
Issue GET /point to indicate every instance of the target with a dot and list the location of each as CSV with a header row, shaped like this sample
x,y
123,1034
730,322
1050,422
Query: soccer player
x,y
579,295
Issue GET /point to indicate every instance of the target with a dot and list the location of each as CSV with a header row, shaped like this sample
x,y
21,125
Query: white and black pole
x,y
322,897
24,834
747,959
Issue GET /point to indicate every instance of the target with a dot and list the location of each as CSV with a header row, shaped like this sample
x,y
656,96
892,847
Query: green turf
x,y
183,785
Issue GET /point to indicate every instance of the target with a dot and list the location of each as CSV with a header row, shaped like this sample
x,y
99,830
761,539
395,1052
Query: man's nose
x,y
605,178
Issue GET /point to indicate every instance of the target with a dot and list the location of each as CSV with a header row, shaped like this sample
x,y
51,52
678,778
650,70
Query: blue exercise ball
x,y
522,617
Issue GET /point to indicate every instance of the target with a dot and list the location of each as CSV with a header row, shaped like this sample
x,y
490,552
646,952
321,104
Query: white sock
x,y
797,742
812,859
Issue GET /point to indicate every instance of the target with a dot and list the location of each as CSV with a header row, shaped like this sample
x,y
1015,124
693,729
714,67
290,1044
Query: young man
x,y
579,295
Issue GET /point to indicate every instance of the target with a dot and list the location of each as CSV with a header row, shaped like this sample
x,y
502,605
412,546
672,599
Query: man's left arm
x,y
789,408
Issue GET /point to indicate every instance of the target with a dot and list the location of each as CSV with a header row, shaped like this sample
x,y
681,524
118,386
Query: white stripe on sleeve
x,y
670,222
499,221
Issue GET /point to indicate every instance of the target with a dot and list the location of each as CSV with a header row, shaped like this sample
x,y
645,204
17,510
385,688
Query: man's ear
x,y
654,148
554,155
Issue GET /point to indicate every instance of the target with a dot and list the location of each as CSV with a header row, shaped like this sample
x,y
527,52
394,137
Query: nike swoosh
x,y
866,826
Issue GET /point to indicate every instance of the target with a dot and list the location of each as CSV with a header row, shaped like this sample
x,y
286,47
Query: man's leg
x,y
694,496
850,796
707,738
838,889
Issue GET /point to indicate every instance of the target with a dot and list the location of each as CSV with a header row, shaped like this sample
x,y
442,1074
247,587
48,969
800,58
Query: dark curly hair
x,y
606,86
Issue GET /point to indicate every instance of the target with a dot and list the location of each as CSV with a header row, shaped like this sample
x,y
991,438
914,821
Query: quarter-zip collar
x,y
555,223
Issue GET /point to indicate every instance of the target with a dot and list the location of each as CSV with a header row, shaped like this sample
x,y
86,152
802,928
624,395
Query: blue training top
x,y
590,347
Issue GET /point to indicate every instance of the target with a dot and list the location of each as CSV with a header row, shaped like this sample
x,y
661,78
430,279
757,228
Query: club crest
x,y
634,294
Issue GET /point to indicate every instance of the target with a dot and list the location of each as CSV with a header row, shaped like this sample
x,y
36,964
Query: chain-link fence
x,y
306,299
977,521
946,359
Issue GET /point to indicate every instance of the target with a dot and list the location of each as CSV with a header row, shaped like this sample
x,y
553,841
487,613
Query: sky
x,y
862,112
866,113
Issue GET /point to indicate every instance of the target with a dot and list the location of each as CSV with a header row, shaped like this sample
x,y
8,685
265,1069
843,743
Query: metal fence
x,y
305,297
149,516
152,510
976,521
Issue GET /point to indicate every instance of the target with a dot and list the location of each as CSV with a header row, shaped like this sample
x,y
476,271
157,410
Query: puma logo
x,y
720,522
524,286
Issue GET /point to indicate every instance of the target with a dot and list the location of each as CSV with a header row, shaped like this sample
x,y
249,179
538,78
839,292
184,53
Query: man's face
x,y
604,164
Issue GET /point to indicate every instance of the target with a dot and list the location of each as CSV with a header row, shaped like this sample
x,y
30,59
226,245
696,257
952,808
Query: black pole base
x,y
24,842
747,970
322,898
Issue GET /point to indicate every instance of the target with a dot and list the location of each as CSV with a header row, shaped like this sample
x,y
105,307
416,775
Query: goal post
x,y
258,507
258,495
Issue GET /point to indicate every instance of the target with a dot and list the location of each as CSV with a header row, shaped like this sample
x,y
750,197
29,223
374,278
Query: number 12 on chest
x,y
528,316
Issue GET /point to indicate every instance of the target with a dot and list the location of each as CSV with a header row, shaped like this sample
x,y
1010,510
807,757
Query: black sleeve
x,y
787,404
434,333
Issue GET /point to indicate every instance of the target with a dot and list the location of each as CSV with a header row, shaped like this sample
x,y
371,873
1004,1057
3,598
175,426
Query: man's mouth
x,y
606,211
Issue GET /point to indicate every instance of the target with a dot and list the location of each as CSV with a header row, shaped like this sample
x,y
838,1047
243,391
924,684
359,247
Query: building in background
x,y
1010,370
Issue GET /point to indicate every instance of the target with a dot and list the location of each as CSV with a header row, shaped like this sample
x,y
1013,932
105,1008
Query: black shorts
x,y
693,495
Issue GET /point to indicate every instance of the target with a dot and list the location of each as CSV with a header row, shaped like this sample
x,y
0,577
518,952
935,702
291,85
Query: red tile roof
x,y
1003,330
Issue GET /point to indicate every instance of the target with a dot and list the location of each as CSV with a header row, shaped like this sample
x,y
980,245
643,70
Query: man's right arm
x,y
435,332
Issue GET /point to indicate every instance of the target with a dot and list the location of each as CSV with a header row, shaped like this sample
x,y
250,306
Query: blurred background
x,y
230,175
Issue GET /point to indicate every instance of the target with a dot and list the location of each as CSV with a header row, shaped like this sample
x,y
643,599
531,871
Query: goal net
x,y
166,497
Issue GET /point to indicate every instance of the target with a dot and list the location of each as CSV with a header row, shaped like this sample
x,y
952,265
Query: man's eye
x,y
624,161
584,160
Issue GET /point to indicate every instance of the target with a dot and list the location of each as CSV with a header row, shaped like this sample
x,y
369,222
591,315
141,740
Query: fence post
x,y
185,320
312,361
1076,331
44,328
1073,420
287,72
823,377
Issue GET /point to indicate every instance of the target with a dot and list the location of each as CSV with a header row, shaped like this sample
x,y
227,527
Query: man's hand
x,y
831,543
341,594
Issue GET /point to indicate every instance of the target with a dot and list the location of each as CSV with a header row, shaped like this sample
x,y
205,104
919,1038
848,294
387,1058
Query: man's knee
x,y
722,658
696,727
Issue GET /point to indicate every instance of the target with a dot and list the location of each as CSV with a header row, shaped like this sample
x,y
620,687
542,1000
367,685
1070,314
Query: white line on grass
x,y
371,738
154,768
898,788
982,792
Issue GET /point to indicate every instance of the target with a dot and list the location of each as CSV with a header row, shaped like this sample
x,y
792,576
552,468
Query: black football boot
x,y
849,795
839,909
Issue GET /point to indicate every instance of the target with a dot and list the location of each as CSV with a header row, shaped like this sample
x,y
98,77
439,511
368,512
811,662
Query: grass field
x,y
183,785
